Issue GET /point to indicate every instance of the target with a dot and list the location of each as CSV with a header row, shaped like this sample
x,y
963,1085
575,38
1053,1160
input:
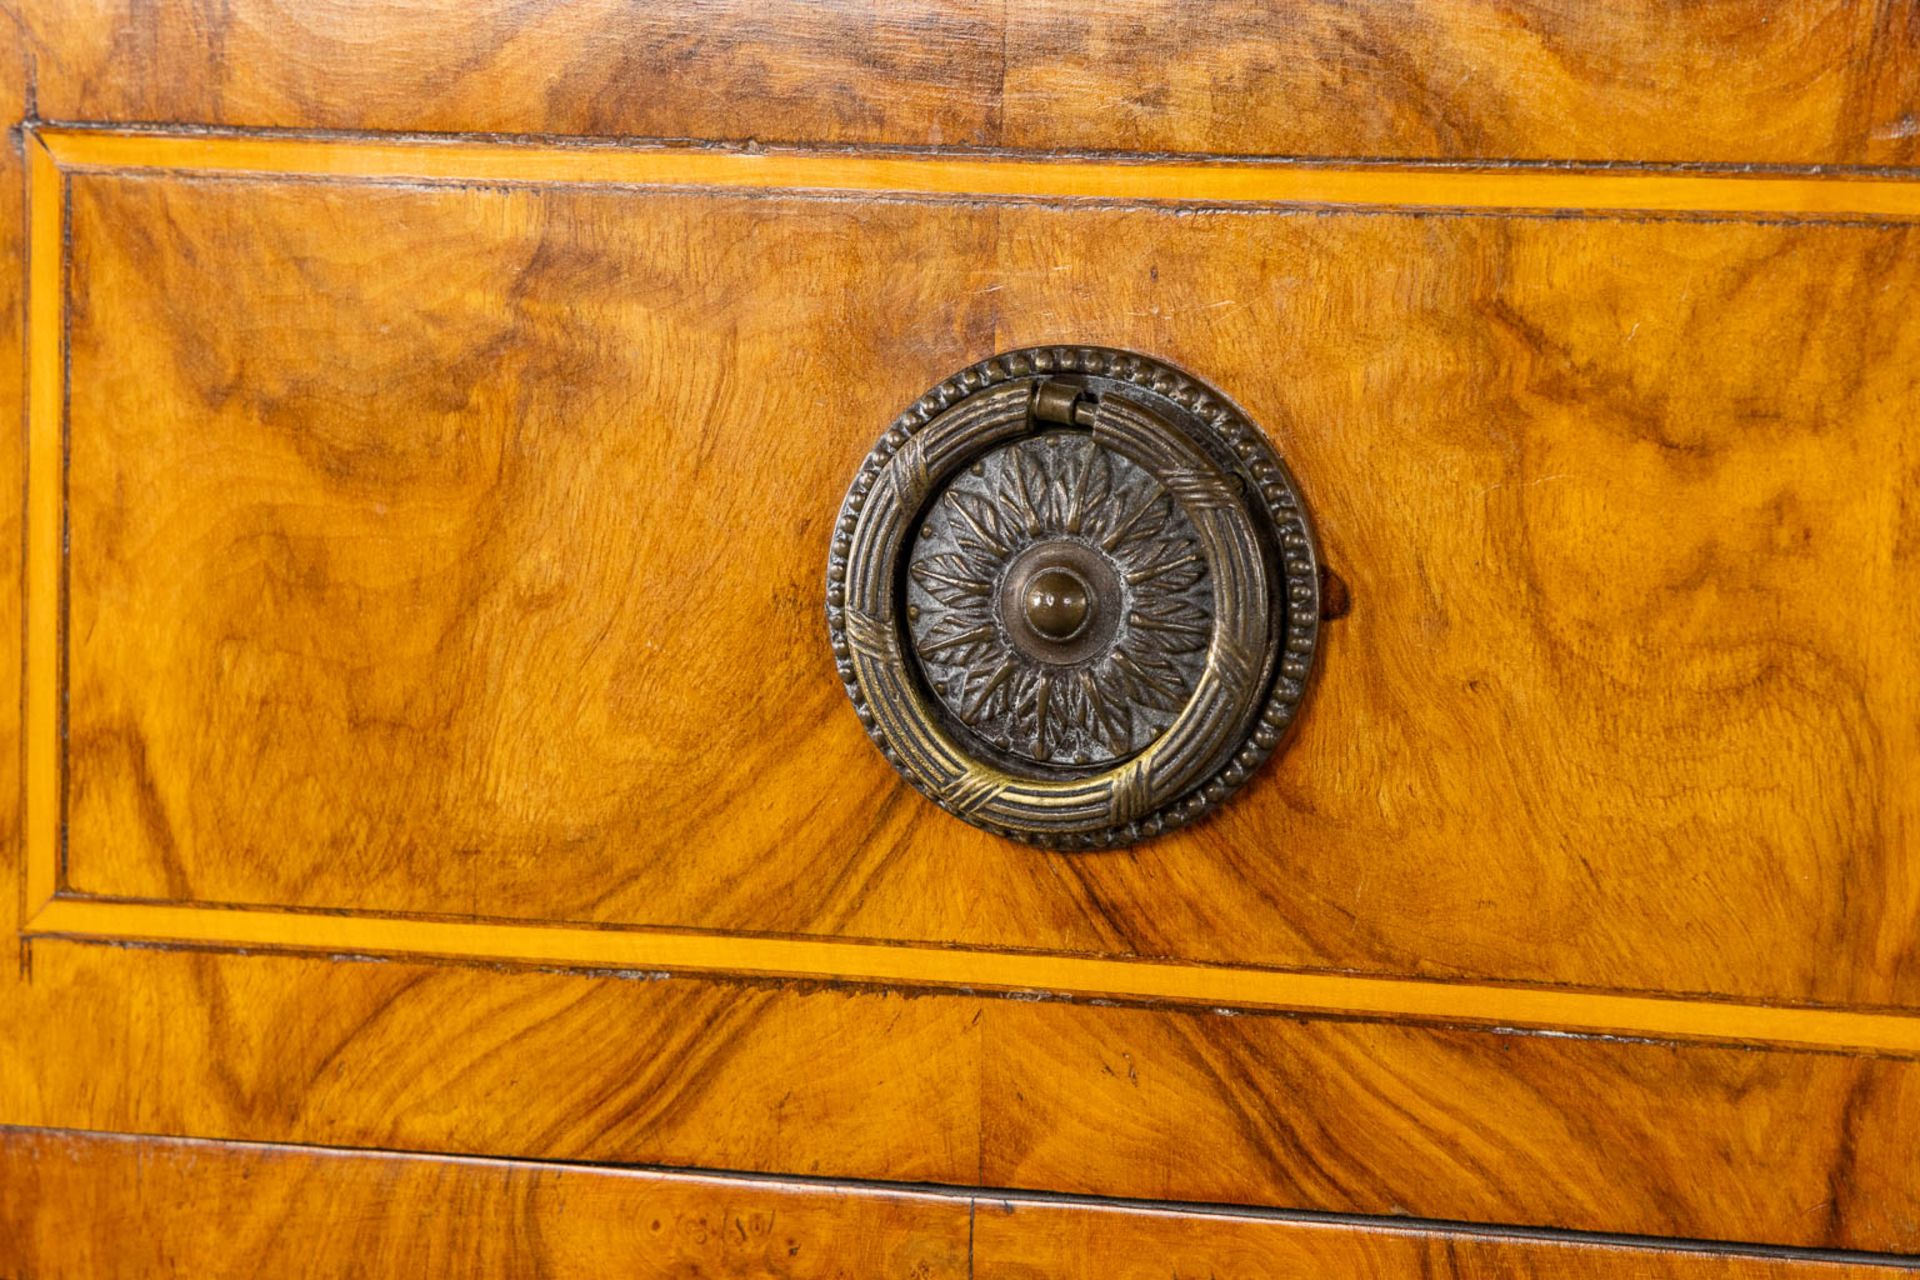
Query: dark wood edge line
x,y
1223,159
1017,1197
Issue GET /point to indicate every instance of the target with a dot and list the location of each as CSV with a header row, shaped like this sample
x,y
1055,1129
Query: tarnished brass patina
x,y
1074,596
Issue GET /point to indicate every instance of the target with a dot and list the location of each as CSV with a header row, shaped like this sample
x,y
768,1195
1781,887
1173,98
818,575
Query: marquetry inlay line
x,y
53,155
1781,195
922,966
46,381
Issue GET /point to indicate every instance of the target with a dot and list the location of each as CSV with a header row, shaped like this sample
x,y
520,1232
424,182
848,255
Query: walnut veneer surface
x,y
205,1209
433,419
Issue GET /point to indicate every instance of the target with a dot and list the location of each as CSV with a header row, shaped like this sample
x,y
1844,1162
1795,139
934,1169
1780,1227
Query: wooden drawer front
x,y
429,738
85,1205
458,552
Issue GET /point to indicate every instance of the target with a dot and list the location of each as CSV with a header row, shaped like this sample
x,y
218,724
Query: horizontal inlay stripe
x,y
1650,1017
1784,195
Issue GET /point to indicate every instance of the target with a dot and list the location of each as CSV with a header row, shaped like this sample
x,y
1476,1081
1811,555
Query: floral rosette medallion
x,y
1074,596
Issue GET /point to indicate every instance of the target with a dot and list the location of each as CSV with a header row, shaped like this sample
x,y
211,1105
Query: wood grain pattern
x,y
1744,81
87,1205
1781,1147
1393,1120
101,1205
1016,1241
368,594
1728,80
417,528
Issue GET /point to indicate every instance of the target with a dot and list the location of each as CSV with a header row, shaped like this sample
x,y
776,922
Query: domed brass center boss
x,y
1074,596
1057,603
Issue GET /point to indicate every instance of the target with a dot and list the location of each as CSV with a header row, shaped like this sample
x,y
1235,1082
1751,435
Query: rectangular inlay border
x,y
51,913
1791,195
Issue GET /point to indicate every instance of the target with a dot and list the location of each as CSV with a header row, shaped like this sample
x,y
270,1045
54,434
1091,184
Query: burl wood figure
x,y
758,638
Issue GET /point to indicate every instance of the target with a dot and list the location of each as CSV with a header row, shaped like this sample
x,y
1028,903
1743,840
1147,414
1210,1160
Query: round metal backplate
x,y
1074,596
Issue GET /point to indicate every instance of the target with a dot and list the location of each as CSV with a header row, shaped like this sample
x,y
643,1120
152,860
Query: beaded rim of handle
x,y
1259,546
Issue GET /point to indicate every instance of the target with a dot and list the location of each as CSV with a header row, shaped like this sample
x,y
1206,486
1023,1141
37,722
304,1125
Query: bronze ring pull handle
x,y
1074,596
